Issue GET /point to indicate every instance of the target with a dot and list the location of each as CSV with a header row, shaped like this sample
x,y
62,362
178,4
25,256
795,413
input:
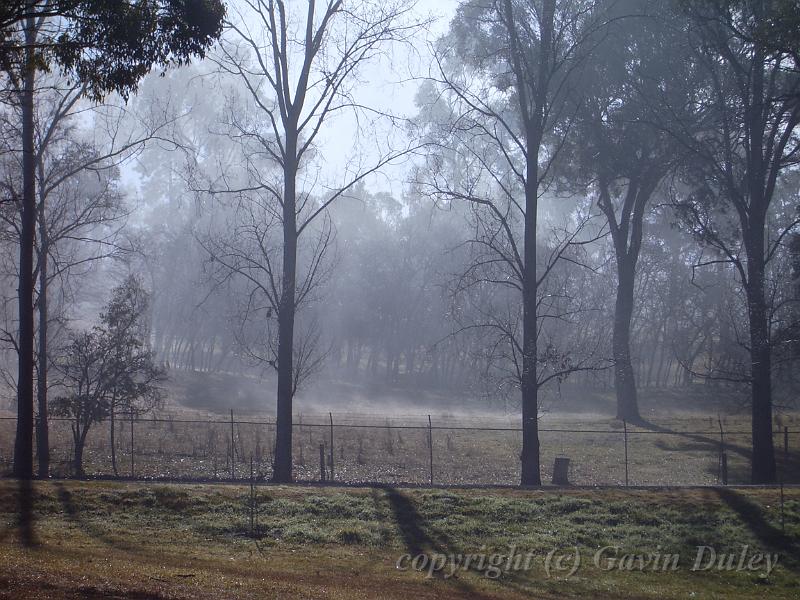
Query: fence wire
x,y
412,450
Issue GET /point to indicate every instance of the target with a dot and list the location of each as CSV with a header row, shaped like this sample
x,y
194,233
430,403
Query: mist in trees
x,y
525,206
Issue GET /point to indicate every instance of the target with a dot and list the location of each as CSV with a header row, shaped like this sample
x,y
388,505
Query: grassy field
x,y
134,540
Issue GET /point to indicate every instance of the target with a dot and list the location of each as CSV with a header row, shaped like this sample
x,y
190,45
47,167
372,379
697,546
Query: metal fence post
x,y
133,470
233,451
331,454
625,435
430,445
252,497
322,462
723,459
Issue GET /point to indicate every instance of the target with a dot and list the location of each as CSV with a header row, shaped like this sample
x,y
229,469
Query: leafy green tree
x,y
621,156
742,137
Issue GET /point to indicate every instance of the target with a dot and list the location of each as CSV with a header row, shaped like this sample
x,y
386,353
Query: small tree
x,y
109,366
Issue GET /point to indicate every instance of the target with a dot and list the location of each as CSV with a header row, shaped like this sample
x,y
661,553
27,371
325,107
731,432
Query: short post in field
x,y
561,471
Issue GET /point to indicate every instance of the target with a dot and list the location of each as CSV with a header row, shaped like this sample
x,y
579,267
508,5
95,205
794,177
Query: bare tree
x,y
508,68
299,66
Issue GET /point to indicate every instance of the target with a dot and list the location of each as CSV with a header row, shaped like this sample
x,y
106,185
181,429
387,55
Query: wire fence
x,y
413,450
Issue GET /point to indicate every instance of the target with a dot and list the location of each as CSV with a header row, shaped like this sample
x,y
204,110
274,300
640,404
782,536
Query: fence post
x,y
430,445
625,435
331,417
233,451
723,459
252,497
133,470
322,462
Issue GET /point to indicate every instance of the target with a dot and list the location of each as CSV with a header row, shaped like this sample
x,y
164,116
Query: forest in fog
x,y
496,201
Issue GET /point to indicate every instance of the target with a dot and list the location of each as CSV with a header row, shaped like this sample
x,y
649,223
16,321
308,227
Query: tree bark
x,y
763,469
530,386
624,379
23,447
532,94
77,462
42,433
282,471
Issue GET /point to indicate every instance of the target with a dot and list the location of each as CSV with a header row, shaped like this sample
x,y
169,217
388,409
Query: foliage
x,y
111,44
109,365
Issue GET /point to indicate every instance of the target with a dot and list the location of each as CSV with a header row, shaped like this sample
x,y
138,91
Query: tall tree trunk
x,y
532,94
530,386
23,447
283,437
42,433
624,379
77,462
763,469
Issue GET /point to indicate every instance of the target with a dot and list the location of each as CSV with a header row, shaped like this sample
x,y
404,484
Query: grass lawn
x,y
135,540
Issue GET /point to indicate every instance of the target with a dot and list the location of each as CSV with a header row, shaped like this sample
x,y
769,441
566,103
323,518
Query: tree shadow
x,y
700,439
73,514
23,519
25,514
788,464
767,534
420,537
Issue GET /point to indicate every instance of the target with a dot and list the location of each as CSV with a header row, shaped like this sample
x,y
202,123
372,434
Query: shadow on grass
x,y
788,463
699,439
417,536
26,520
23,518
771,536
77,517
420,537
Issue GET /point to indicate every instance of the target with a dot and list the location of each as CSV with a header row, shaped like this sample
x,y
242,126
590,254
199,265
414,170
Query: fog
x,y
467,208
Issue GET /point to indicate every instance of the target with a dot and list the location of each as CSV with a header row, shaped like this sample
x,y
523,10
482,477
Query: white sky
x,y
388,85
391,86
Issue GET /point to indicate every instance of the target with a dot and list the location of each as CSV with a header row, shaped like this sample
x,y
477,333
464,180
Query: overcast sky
x,y
388,85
